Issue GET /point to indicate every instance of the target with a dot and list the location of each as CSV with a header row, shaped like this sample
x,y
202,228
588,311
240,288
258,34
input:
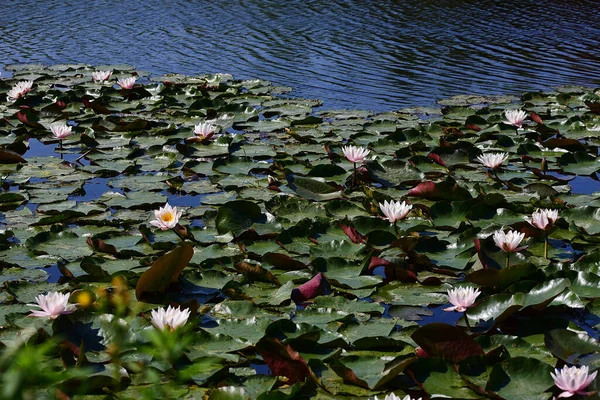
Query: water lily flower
x,y
392,396
127,83
60,130
20,89
543,219
52,305
515,117
509,241
394,210
573,380
492,160
101,76
167,217
355,154
462,298
171,317
204,130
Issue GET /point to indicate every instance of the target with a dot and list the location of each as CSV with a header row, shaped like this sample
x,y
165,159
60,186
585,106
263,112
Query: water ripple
x,y
371,54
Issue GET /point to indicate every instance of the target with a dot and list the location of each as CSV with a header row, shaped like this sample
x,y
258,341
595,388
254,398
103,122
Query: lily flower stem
x,y
396,229
507,259
496,176
467,322
179,235
546,245
354,176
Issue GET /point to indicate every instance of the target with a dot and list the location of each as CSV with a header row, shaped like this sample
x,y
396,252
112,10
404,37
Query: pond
x,y
375,55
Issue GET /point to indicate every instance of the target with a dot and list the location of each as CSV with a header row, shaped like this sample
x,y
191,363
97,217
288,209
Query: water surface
x,y
368,54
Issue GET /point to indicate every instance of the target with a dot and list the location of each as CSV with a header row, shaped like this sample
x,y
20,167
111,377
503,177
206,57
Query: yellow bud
x,y
84,298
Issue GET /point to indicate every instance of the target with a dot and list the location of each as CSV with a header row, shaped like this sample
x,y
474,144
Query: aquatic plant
x,y
298,276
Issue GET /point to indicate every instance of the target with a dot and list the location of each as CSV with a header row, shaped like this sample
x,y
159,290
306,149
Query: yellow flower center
x,y
168,216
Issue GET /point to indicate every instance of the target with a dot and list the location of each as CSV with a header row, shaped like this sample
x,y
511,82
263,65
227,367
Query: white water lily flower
x,y
394,210
167,217
543,219
20,89
52,305
355,154
101,76
573,380
392,396
204,130
60,130
171,317
492,160
509,241
515,117
127,83
462,298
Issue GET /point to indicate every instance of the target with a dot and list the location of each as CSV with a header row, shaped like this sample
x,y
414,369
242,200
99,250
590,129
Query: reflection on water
x,y
379,55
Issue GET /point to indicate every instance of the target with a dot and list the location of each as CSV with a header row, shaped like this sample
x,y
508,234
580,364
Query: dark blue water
x,y
367,54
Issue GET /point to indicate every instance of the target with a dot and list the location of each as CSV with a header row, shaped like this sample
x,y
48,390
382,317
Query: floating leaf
x,y
166,269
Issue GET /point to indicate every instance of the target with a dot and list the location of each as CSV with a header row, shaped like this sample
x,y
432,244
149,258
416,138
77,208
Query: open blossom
x,y
171,317
394,210
392,396
101,76
355,154
543,219
492,160
167,217
509,241
573,380
462,298
60,130
20,89
204,130
52,305
515,117
126,83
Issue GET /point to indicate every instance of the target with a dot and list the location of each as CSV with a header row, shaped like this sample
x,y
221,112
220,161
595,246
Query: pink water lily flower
x,y
20,89
515,117
355,154
462,298
492,160
509,241
127,83
392,396
171,317
543,219
52,305
573,380
204,130
101,76
394,210
167,217
60,130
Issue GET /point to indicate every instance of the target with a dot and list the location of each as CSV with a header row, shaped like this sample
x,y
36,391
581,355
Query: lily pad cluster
x,y
295,283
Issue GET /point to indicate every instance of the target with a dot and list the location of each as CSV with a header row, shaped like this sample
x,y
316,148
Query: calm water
x,y
369,54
